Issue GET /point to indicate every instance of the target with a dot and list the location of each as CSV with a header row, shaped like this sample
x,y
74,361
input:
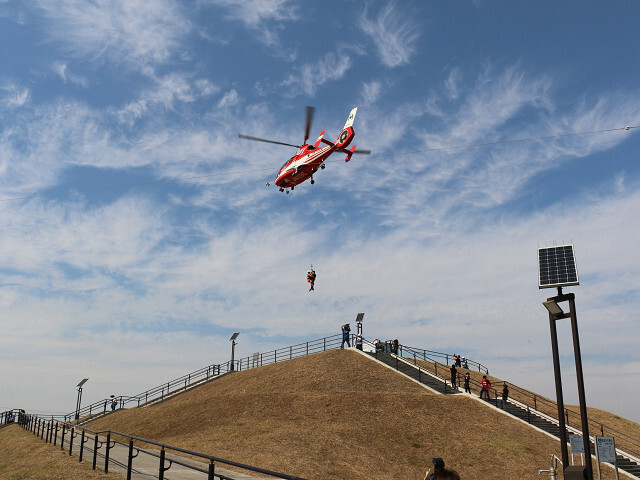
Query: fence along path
x,y
118,452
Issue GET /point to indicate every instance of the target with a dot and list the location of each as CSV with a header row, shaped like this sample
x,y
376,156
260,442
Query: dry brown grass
x,y
23,456
339,415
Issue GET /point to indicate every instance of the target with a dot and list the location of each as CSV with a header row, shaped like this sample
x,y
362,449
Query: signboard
x,y
577,445
606,449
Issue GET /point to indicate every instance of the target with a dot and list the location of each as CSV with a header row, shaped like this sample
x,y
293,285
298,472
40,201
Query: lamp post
x,y
556,313
359,320
557,269
233,348
79,386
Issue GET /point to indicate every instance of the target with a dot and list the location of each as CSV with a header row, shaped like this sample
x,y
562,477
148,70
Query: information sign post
x,y
606,452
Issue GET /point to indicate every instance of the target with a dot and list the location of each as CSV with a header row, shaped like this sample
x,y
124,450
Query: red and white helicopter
x,y
306,161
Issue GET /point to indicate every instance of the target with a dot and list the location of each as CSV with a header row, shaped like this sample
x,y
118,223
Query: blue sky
x,y
138,232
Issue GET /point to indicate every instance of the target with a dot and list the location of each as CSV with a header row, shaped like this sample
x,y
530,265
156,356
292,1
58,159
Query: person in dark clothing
x,y
467,379
346,333
505,396
454,375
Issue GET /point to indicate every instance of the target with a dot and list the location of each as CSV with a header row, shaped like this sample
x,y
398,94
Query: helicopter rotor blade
x,y
307,128
256,139
362,152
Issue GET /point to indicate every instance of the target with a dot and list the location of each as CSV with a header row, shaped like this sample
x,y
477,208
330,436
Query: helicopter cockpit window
x,y
287,163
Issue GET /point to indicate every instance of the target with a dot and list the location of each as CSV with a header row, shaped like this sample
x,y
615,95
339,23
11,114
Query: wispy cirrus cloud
x,y
259,16
125,32
13,95
309,77
394,34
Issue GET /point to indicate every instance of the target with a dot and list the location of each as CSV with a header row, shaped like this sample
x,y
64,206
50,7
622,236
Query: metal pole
x,y
559,396
78,404
581,395
233,348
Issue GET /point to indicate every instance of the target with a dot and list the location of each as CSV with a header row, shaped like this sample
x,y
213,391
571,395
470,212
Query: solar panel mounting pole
x,y
233,348
79,386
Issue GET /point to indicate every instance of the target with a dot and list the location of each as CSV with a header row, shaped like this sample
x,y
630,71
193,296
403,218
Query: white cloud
x,y
229,99
13,95
370,93
309,77
62,70
263,17
166,93
393,33
125,32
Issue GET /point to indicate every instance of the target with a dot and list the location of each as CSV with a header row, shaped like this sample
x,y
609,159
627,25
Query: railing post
x,y
307,348
55,434
71,437
535,402
212,470
95,452
106,453
324,344
161,467
81,447
290,352
130,459
64,426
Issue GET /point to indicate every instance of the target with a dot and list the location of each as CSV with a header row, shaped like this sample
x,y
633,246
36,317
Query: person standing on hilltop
x,y
346,333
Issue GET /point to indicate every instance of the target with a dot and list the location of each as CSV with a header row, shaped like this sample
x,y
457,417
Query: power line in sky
x,y
242,172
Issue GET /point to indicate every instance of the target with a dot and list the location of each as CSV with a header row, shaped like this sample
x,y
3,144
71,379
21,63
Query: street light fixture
x,y
553,307
79,387
233,348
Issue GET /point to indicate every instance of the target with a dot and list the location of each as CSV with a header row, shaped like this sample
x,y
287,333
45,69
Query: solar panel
x,y
557,267
359,318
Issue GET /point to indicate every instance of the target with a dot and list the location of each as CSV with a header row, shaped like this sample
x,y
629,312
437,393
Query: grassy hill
x,y
339,415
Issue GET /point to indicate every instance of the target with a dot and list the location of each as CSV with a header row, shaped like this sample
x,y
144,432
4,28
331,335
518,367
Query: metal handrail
x,y
184,382
48,431
430,355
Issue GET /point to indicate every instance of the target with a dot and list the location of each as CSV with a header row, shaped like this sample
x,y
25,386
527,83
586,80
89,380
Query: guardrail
x,y
432,356
205,374
50,431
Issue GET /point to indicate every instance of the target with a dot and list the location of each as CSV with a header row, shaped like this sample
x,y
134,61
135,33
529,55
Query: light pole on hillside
x,y
233,348
79,386
557,268
359,320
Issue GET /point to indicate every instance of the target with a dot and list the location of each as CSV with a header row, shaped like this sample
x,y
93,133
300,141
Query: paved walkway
x,y
146,463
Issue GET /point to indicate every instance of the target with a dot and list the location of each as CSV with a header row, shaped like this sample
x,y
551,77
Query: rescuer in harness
x,y
311,277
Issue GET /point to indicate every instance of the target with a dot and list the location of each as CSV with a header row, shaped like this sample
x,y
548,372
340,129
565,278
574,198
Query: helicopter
x,y
311,157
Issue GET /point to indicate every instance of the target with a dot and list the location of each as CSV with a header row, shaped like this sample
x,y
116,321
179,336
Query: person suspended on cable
x,y
311,277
